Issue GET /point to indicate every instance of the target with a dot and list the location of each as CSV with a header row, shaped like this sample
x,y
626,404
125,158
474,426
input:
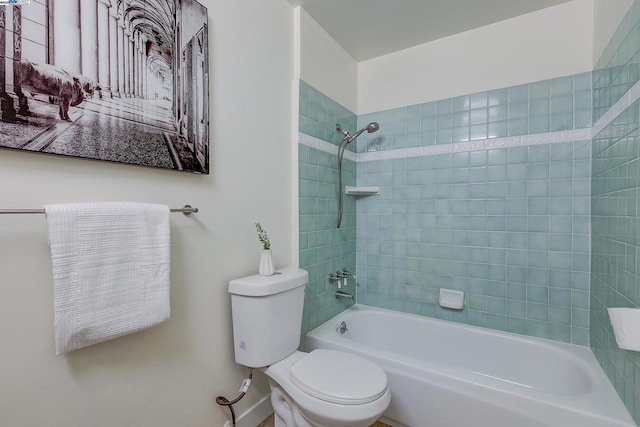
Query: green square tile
x,y
539,90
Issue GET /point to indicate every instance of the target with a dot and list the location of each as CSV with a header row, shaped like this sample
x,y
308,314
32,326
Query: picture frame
x,y
115,80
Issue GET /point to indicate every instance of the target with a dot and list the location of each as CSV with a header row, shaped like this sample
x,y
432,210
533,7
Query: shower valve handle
x,y
335,277
346,274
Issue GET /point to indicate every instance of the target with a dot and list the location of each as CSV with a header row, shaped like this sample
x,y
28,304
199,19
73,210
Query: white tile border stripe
x,y
458,147
325,146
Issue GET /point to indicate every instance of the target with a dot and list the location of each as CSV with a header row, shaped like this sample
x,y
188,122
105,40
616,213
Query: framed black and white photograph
x,y
116,80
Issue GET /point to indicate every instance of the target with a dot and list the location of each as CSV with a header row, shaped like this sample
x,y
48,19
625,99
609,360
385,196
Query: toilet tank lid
x,y
257,285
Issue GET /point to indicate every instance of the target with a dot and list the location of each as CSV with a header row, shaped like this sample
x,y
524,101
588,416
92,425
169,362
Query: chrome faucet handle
x,y
346,273
334,277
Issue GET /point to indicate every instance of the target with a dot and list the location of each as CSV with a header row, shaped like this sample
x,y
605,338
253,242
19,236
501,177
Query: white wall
x,y
545,44
325,65
608,15
168,375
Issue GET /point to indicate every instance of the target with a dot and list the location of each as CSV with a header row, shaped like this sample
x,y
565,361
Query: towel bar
x,y
186,209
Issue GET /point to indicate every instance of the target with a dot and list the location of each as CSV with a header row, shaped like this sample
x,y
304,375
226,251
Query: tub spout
x,y
343,295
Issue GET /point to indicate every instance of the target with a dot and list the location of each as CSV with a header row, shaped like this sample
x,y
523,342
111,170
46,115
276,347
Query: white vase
x,y
266,263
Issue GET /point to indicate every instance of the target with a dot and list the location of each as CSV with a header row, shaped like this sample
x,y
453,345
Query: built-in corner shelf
x,y
361,191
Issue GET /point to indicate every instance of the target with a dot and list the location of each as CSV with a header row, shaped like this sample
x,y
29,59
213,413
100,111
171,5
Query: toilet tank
x,y
267,316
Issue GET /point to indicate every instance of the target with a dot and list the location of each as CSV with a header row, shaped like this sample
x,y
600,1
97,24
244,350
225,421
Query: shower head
x,y
370,128
346,139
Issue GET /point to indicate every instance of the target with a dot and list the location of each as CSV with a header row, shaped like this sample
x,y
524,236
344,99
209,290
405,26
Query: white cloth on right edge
x,y
626,327
111,264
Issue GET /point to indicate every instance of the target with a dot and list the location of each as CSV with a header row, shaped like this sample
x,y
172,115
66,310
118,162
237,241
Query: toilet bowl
x,y
323,388
327,388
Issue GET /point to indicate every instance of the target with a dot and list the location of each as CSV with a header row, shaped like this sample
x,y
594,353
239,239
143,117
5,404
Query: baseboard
x,y
254,415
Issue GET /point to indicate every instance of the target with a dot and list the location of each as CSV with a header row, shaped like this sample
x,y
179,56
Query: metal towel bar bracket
x,y
186,209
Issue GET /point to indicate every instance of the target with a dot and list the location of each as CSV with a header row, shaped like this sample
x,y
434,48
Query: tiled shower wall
x,y
509,227
615,266
324,248
615,261
505,223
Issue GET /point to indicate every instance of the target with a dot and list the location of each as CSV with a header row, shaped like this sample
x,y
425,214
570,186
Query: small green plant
x,y
262,236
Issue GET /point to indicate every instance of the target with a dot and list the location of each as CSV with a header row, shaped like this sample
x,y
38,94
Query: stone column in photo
x,y
134,65
104,45
35,20
142,54
178,73
23,105
67,49
88,38
121,63
127,63
113,51
145,69
6,101
3,51
135,56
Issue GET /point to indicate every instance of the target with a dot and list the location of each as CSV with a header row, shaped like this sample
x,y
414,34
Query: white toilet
x,y
324,388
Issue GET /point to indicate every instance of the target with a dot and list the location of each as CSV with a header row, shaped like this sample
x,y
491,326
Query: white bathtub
x,y
444,374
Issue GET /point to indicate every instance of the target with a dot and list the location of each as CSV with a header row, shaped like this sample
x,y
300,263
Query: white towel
x,y
110,270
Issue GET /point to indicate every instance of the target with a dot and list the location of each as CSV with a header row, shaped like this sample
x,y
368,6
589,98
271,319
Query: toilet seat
x,y
316,410
339,377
